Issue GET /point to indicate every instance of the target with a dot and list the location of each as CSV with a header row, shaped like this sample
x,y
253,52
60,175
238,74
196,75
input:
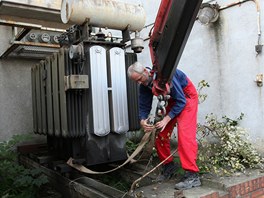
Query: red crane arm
x,y
172,27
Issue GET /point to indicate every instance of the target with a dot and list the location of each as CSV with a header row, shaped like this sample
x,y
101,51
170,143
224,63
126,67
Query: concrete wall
x,y
224,55
15,92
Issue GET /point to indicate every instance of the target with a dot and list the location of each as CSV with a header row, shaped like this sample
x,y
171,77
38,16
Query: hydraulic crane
x,y
171,30
172,27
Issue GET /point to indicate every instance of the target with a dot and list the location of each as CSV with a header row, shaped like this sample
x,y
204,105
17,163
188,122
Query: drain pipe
x,y
233,4
258,47
259,26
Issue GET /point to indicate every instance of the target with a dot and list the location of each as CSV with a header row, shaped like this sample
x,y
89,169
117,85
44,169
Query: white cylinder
x,y
104,13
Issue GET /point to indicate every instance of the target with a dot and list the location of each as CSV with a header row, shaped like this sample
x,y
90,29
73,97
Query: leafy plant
x,y
202,96
131,146
15,180
225,147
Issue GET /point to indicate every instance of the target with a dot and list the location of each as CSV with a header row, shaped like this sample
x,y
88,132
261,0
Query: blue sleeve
x,y
179,97
145,101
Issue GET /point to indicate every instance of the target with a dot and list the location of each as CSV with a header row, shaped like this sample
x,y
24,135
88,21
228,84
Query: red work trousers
x,y
186,127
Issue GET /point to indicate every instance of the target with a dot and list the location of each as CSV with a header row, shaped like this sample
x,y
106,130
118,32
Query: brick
x,y
262,182
251,186
246,196
243,189
225,196
254,183
215,195
247,187
257,183
258,193
236,189
239,189
232,191
212,195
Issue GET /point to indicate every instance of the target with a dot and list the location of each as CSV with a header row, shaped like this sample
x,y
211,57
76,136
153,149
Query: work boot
x,y
167,172
190,179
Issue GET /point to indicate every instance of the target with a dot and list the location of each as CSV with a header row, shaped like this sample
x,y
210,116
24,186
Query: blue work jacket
x,y
178,83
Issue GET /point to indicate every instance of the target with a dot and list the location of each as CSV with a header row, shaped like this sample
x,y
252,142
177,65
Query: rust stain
x,y
67,11
53,4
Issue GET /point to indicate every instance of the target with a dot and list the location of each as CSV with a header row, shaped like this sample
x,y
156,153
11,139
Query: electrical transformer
x,y
82,99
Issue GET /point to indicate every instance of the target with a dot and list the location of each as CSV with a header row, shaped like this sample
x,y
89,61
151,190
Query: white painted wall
x,y
224,55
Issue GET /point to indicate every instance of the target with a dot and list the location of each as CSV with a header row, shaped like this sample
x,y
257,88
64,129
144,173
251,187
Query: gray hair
x,y
135,67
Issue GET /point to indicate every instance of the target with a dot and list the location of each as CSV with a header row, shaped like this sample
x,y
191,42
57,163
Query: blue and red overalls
x,y
182,109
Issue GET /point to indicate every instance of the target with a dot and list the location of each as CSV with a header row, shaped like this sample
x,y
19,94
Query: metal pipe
x,y
233,4
36,44
258,19
28,25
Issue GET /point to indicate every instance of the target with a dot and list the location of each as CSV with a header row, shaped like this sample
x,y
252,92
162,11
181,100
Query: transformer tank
x,y
82,99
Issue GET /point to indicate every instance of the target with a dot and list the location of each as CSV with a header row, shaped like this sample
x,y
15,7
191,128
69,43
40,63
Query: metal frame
x,y
26,28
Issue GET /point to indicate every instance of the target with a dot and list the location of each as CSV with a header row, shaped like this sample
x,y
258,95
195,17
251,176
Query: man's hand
x,y
147,127
162,124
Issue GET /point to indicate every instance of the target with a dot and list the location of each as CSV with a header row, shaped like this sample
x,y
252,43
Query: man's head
x,y
138,73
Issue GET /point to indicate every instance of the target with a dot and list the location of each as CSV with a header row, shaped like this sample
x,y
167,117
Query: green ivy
x,y
15,180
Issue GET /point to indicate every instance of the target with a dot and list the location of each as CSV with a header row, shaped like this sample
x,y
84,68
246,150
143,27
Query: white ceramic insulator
x,y
104,13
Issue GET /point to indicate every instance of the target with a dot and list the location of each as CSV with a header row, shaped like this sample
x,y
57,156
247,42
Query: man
x,y
181,110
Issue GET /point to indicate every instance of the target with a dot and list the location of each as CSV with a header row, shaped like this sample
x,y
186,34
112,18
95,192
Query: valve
x,y
32,37
137,43
44,38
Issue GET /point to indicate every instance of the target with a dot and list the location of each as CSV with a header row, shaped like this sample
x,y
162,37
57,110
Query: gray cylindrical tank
x,y
104,13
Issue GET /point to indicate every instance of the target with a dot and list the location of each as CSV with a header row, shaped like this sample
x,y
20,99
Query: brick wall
x,y
250,189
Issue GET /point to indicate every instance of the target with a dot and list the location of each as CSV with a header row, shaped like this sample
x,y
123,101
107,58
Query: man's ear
x,y
145,70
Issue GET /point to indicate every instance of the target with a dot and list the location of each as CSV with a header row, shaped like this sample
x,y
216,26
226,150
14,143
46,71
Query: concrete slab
x,y
211,185
166,190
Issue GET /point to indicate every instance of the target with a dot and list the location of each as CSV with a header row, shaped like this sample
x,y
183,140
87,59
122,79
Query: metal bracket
x,y
76,82
161,108
258,48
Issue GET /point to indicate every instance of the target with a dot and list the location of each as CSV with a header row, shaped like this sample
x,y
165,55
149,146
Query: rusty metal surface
x,y
36,44
76,82
55,94
13,23
32,14
34,10
20,35
52,4
63,97
21,46
78,186
233,4
104,13
16,44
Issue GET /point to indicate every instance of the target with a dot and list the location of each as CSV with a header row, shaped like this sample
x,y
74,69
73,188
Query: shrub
x,y
15,180
224,147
